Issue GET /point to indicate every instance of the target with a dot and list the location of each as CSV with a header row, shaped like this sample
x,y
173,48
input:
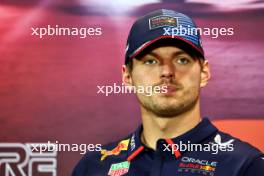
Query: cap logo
x,y
162,20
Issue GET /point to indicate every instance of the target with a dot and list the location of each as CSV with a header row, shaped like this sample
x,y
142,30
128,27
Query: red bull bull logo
x,y
122,146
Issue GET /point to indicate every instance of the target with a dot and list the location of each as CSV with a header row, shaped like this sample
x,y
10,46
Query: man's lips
x,y
169,89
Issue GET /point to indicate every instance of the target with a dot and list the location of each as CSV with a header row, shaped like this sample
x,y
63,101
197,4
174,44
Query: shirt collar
x,y
199,133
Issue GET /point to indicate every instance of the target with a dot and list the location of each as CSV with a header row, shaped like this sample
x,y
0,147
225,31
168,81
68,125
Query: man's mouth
x,y
168,89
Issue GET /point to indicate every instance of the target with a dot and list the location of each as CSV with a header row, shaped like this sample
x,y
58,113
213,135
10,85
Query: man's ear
x,y
126,76
205,73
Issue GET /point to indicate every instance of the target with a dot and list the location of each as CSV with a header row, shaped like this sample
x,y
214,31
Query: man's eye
x,y
150,62
183,61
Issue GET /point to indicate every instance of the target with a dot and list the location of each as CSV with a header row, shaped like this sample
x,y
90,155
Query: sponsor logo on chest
x,y
197,166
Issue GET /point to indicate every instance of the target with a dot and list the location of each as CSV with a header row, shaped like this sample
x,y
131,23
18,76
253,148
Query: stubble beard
x,y
186,102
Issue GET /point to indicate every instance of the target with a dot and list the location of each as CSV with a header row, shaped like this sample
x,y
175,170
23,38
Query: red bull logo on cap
x,y
162,20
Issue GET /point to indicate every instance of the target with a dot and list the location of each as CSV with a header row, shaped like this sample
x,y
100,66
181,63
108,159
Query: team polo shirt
x,y
202,151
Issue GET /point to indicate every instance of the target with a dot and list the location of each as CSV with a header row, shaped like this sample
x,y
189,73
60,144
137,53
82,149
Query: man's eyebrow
x,y
152,54
179,53
176,53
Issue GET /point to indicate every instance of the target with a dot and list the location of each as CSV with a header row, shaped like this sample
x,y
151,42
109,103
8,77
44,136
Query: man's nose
x,y
167,71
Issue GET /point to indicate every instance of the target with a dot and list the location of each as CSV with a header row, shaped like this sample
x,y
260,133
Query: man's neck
x,y
155,128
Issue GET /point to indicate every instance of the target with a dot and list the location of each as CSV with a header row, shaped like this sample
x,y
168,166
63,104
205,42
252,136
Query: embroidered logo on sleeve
x,y
122,146
218,140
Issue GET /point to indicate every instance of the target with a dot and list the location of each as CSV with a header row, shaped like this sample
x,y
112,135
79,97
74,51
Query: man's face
x,y
172,67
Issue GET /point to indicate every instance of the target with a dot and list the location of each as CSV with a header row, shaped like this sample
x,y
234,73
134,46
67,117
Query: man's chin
x,y
168,108
167,99
167,113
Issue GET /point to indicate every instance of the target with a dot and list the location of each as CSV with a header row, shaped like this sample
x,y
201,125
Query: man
x,y
173,139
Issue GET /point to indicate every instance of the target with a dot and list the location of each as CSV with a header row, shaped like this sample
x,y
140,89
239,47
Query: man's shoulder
x,y
100,161
239,149
242,155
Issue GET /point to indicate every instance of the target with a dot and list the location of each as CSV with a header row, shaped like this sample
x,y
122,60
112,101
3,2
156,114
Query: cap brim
x,y
150,43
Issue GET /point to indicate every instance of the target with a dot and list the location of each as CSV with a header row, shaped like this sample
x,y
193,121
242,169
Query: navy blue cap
x,y
162,24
